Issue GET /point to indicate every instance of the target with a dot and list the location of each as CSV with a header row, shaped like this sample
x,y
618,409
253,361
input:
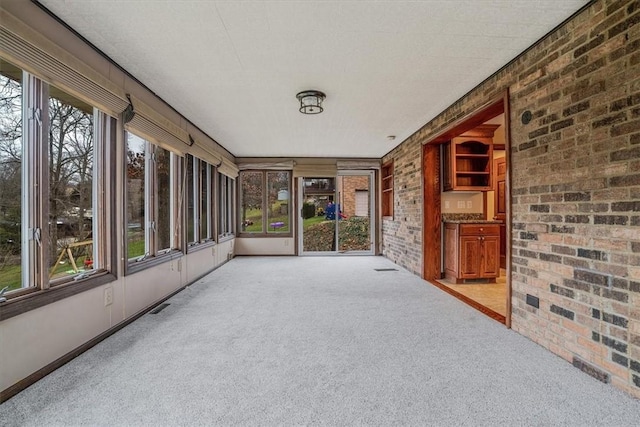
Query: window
x,y
264,202
387,189
226,191
151,195
200,201
10,177
191,199
53,181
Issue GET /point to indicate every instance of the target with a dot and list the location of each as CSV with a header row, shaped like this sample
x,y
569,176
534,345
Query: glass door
x,y
355,198
336,213
317,215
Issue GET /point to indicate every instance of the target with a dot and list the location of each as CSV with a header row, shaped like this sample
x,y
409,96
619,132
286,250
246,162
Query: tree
x,y
251,192
10,177
70,173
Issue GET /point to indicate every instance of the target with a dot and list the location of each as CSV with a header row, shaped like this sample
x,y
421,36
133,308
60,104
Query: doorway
x,y
480,208
336,214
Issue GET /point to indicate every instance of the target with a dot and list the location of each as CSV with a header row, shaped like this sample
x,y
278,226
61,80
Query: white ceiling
x,y
233,68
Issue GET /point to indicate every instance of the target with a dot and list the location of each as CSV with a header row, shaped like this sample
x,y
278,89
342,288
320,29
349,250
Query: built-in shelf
x,y
386,173
467,160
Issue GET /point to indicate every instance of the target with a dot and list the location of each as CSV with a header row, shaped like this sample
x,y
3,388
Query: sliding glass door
x,y
336,214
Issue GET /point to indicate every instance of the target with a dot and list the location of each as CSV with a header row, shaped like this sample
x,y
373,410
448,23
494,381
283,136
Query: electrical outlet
x,y
108,296
180,265
469,204
460,204
447,205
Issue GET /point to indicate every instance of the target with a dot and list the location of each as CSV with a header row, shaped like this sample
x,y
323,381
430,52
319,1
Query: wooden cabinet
x,y
471,251
467,160
387,189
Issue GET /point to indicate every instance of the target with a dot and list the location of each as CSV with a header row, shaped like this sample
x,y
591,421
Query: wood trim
x,y
507,154
46,370
489,110
43,372
431,228
494,315
40,298
431,199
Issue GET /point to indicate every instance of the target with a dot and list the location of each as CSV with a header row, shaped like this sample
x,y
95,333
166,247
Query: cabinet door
x,y
490,258
469,257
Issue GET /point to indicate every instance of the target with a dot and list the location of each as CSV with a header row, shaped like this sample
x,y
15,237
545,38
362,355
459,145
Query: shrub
x,y
308,210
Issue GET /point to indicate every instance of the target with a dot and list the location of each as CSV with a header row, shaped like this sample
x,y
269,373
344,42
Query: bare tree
x,y
70,173
10,176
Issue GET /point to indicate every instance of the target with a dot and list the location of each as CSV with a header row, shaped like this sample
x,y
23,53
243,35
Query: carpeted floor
x,y
318,340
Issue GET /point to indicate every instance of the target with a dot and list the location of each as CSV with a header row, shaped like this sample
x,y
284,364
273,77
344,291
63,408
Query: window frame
x,y
203,239
35,245
153,255
226,197
265,233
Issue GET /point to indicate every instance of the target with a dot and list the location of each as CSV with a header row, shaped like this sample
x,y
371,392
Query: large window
x,y
264,202
200,201
54,149
151,194
10,176
226,203
71,187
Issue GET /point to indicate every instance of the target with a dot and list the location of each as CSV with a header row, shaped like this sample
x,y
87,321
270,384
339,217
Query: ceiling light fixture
x,y
311,101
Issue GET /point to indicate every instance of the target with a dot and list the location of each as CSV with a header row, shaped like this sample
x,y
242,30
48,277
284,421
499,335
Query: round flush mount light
x,y
311,101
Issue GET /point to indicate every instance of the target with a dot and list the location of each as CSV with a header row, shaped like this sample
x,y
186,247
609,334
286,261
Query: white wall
x,y
33,340
265,246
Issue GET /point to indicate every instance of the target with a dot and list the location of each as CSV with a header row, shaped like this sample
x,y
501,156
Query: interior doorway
x,y
336,214
466,210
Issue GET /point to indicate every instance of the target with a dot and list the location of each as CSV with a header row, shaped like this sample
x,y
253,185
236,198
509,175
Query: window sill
x,y
199,246
36,299
265,235
222,239
136,266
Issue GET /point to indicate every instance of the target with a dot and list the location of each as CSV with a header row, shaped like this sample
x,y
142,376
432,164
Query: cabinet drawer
x,y
479,229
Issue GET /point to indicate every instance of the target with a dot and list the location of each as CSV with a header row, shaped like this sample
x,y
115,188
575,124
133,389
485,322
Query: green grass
x,y
306,223
11,275
255,216
135,248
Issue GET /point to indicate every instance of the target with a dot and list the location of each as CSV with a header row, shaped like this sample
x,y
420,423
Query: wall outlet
x,y
447,205
108,296
469,204
460,204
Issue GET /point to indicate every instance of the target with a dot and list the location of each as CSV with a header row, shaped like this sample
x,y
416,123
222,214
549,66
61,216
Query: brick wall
x,y
575,185
402,236
350,184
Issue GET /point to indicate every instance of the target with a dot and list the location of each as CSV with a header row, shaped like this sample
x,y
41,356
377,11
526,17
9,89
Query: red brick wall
x,y
348,192
575,185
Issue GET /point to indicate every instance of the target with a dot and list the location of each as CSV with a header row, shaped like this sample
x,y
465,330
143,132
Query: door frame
x,y
432,213
336,197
